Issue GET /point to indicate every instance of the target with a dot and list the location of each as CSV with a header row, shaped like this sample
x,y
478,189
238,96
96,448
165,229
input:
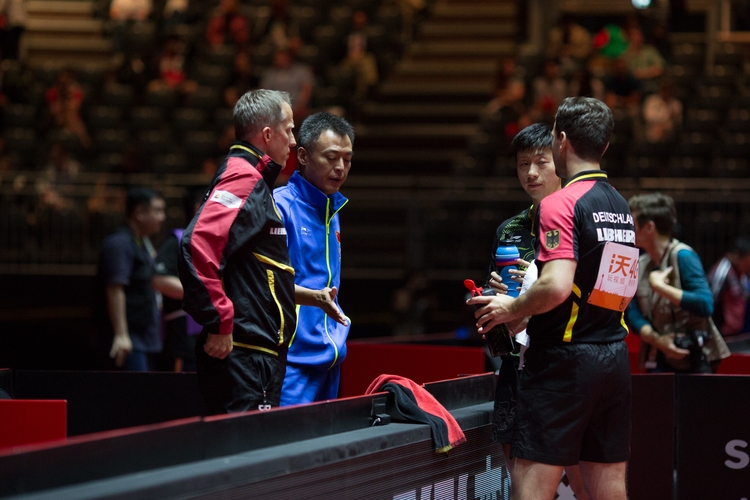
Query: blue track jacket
x,y
314,240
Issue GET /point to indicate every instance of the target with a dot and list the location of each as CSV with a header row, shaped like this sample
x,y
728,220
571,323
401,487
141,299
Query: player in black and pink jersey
x,y
574,398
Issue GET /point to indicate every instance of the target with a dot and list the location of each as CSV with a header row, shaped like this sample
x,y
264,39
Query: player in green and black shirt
x,y
536,173
535,168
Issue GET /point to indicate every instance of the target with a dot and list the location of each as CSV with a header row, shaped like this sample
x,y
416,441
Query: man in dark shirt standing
x,y
180,329
125,269
575,391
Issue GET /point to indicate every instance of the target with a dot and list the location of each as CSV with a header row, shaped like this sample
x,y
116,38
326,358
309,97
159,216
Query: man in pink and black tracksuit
x,y
235,268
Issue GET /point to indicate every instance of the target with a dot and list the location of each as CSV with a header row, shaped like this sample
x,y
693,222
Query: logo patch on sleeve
x,y
552,239
227,199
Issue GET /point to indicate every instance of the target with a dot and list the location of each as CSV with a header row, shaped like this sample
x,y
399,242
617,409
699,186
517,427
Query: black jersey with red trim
x,y
234,264
575,223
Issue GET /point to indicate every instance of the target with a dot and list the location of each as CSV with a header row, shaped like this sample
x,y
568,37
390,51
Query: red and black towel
x,y
415,404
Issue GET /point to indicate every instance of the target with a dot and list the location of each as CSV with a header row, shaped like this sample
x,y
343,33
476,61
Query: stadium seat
x,y
614,157
20,115
20,139
329,43
198,146
367,6
649,159
738,120
107,162
111,140
219,55
697,144
389,16
305,18
688,166
743,96
170,163
185,119
340,17
700,120
223,118
722,75
141,38
728,54
146,118
164,98
206,98
154,142
116,94
736,145
310,55
213,76
99,117
262,55
731,167
689,54
714,97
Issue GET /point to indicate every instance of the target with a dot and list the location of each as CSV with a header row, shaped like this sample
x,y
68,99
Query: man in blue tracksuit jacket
x,y
309,204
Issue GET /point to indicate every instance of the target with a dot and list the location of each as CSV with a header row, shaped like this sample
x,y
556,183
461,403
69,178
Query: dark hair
x,y
317,123
138,196
742,244
532,138
588,124
656,207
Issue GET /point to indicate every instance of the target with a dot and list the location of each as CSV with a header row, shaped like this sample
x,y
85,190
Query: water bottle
x,y
499,340
506,256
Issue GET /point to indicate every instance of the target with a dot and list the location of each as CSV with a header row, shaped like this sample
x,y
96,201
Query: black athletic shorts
x,y
506,398
245,380
574,404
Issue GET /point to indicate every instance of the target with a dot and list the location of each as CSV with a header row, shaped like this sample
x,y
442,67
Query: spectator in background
x,y
64,99
292,77
570,43
13,19
730,288
126,266
644,61
180,329
241,79
59,173
662,114
172,69
585,84
510,87
228,26
175,13
123,13
358,61
136,71
622,88
280,31
673,306
410,11
549,90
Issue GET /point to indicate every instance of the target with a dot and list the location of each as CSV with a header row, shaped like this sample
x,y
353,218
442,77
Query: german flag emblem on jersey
x,y
552,239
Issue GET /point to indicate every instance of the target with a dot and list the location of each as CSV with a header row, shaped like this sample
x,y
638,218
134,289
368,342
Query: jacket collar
x,y
268,168
315,196
588,175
